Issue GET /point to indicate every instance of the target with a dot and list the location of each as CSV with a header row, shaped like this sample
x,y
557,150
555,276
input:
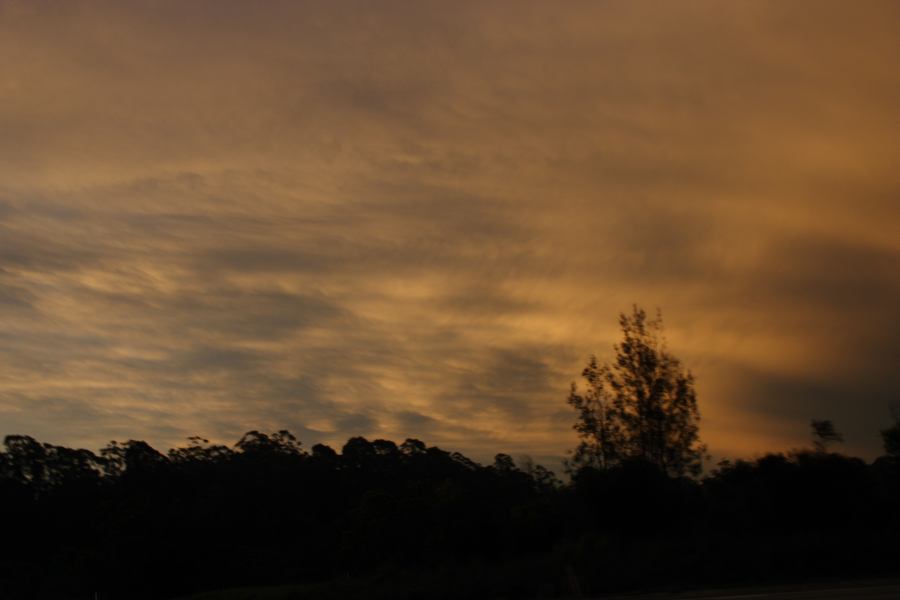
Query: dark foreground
x,y
382,521
870,590
845,591
891,592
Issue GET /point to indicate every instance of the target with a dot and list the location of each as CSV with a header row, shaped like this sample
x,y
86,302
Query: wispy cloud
x,y
397,219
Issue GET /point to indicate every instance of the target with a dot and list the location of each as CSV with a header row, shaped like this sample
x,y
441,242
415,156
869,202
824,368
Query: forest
x,y
379,520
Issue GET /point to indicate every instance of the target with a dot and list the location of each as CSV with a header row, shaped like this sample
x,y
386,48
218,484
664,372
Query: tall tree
x,y
824,434
891,435
641,405
598,428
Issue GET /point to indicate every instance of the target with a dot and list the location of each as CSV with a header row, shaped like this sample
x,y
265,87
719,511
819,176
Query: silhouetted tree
x,y
133,456
282,442
324,453
640,406
25,459
413,446
373,521
358,452
824,433
42,467
597,424
465,461
891,437
504,463
385,448
199,450
543,477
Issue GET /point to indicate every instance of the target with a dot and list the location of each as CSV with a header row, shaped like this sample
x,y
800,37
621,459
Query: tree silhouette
x,y
597,426
891,436
378,520
282,442
133,457
824,433
640,406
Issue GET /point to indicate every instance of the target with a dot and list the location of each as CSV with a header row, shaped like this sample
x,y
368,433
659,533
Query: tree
x,y
597,425
133,456
640,406
891,436
282,442
200,451
824,433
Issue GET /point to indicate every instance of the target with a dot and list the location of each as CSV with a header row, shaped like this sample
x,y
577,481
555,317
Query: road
x,y
888,592
873,591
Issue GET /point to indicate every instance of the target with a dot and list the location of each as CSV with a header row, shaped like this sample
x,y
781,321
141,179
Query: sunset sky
x,y
419,219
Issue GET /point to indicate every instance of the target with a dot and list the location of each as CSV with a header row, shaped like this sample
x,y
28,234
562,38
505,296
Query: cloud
x,y
418,221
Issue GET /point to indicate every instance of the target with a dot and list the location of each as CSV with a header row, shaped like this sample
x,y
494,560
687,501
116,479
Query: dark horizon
x,y
380,520
398,219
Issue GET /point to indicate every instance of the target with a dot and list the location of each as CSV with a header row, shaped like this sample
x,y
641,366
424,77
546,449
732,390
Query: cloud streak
x,y
397,220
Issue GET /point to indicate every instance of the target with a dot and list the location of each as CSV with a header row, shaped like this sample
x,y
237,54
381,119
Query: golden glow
x,y
420,219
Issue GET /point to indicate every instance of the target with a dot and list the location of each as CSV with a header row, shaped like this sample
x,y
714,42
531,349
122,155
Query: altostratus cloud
x,y
418,219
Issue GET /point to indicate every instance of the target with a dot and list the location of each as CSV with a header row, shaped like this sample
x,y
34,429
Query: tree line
x,y
377,519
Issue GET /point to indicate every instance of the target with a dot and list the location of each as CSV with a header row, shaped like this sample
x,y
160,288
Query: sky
x,y
419,219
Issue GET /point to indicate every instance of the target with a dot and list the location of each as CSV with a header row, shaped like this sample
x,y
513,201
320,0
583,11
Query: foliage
x,y
824,434
640,406
891,437
383,520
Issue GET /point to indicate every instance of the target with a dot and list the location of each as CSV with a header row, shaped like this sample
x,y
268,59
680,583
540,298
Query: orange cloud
x,y
419,220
